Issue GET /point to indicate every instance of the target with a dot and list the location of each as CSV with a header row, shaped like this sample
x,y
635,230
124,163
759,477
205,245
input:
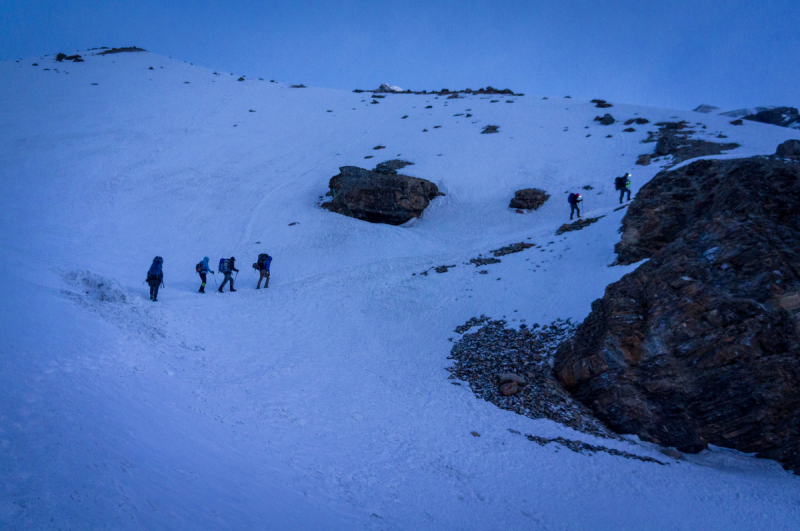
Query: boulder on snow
x,y
529,199
782,116
789,149
701,344
380,195
606,119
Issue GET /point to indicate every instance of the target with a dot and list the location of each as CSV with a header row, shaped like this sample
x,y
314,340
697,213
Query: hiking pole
x,y
215,278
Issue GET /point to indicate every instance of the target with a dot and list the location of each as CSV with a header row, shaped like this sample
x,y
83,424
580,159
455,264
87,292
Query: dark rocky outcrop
x,y
122,50
701,344
581,224
606,119
789,149
782,116
529,199
380,195
489,129
674,138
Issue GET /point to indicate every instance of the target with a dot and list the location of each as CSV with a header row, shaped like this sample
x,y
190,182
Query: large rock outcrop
x,y
701,344
782,116
380,195
529,199
674,138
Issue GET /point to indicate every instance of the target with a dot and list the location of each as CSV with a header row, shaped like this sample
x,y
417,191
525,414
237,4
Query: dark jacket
x,y
233,265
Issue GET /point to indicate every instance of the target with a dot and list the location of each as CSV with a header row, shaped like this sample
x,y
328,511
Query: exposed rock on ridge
x,y
701,344
381,195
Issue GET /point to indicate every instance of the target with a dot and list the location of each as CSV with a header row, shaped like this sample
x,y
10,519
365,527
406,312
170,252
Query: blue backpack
x,y
155,269
571,199
224,266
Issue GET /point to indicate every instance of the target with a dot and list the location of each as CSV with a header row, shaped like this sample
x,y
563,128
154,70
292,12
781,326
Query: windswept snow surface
x,y
322,402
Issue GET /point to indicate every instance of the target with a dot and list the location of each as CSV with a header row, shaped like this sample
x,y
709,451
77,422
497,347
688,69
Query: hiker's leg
x,y
266,280
260,276
225,281
629,194
621,195
155,293
151,292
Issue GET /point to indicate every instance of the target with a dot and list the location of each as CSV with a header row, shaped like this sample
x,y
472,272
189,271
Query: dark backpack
x,y
263,262
571,199
154,273
199,267
619,183
224,265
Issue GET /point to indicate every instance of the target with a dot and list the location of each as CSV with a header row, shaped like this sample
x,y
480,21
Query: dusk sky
x,y
669,54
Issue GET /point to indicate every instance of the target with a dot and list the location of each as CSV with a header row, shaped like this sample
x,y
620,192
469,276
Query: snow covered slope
x,y
322,402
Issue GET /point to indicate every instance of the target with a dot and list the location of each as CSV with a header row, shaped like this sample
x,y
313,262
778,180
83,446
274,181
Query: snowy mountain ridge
x,y
323,401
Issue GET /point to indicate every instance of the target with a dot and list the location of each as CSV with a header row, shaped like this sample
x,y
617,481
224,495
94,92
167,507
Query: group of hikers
x,y
227,266
623,184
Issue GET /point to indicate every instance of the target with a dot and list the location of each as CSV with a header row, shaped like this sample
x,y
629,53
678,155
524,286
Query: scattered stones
x,y
496,360
475,434
480,261
386,88
628,130
240,79
380,196
429,107
643,160
582,447
292,224
443,268
602,104
391,166
404,117
529,199
379,147
673,139
737,122
490,129
122,50
700,344
513,248
789,149
293,86
577,225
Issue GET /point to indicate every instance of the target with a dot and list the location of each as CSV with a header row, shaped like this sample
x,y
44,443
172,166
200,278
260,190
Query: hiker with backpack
x,y
155,277
623,184
226,267
574,201
262,266
203,269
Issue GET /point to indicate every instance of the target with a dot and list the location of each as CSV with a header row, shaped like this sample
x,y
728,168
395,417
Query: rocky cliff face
x,y
701,344
380,195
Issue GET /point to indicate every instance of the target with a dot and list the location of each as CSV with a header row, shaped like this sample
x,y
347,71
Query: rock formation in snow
x,y
380,195
701,344
529,199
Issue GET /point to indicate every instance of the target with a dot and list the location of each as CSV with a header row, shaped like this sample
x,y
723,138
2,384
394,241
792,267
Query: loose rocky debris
x,y
640,121
737,122
577,225
64,57
495,356
513,248
452,94
298,86
122,50
602,104
490,129
529,199
483,261
674,139
581,447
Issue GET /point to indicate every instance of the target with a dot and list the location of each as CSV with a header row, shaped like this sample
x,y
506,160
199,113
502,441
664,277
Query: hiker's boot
x,y
220,289
232,290
202,289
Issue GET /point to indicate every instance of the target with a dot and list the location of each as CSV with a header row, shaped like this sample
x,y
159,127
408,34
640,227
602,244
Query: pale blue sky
x,y
670,54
